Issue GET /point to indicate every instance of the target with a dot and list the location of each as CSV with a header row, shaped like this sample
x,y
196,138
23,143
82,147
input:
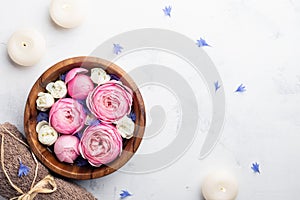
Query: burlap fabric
x,y
13,151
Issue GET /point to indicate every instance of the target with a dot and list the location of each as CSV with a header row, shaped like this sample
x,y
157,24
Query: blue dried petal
x,y
255,167
95,122
167,10
114,77
217,86
80,161
62,76
125,194
78,135
117,49
202,43
132,115
85,108
241,88
42,116
23,169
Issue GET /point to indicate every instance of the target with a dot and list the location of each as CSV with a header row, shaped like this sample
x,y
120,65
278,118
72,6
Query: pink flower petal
x,y
110,102
67,116
66,148
80,86
100,144
73,72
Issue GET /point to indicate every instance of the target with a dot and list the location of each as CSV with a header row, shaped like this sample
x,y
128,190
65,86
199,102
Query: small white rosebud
x,y
40,124
57,89
46,134
44,101
99,76
125,126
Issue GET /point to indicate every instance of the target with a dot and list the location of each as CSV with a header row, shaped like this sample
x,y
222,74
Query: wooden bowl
x,y
46,156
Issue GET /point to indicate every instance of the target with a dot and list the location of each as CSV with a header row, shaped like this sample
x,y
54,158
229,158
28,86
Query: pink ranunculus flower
x,y
67,116
79,85
110,101
100,144
66,148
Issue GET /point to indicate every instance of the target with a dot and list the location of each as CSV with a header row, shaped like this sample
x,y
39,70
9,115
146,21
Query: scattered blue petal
x,y
82,102
255,167
217,86
241,88
62,76
114,77
202,43
85,108
95,122
125,194
42,116
167,10
78,135
132,116
117,49
91,120
23,170
80,161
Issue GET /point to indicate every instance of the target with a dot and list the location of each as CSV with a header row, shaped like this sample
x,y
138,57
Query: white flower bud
x,y
44,101
125,126
99,76
46,134
57,89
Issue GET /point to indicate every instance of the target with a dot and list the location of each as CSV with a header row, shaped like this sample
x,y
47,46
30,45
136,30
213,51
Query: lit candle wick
x,y
26,47
223,189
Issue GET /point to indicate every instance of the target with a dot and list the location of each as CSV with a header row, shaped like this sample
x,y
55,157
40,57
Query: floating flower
x,y
255,167
125,194
57,89
167,10
202,43
100,144
66,148
117,49
99,76
46,134
73,72
110,102
241,88
79,84
67,116
125,127
217,86
44,101
23,169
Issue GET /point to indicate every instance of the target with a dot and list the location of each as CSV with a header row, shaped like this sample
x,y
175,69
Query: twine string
x,y
34,189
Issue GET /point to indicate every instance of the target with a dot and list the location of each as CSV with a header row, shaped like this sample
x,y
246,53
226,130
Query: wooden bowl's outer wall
x,y
48,158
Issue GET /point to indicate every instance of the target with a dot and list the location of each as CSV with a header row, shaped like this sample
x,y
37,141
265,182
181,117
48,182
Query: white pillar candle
x,y
26,47
68,13
220,186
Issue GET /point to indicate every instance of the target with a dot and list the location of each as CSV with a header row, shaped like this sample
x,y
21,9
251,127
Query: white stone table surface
x,y
253,42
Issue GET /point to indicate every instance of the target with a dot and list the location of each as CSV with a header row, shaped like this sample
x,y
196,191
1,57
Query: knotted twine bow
x,y
34,190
